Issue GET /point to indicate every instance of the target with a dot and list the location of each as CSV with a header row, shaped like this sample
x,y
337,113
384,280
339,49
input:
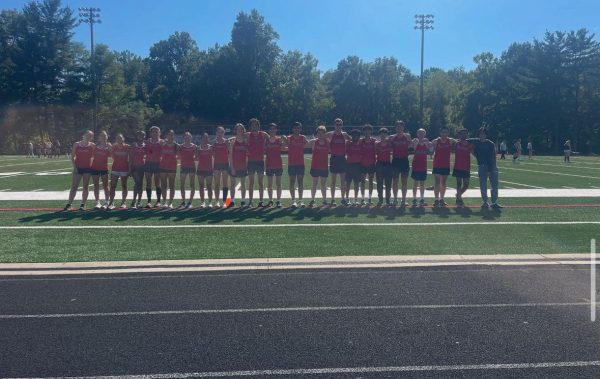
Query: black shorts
x,y
138,170
98,172
400,165
370,169
337,164
187,170
221,167
153,167
256,167
353,172
168,171
204,174
316,173
296,170
419,175
441,171
239,173
82,171
461,174
274,172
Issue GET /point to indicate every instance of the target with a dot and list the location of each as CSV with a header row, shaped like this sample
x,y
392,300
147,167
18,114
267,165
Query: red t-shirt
x,y
368,152
384,152
274,154
240,155
441,156
187,155
337,145
256,147
83,156
100,158
462,156
419,163
205,159
400,145
296,150
320,153
168,156
153,151
120,156
354,152
138,152
221,152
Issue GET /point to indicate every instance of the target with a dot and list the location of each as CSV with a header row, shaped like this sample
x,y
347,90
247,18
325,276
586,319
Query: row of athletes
x,y
226,161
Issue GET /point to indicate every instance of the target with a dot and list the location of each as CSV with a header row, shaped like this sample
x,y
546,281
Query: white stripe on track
x,y
292,309
347,370
306,225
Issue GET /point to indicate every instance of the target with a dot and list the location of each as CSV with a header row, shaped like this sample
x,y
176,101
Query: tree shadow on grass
x,y
254,215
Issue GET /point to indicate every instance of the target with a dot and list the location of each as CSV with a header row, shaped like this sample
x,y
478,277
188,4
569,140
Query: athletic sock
x,y
225,190
158,194
149,193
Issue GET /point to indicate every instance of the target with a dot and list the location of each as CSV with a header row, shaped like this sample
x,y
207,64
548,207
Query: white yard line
x,y
560,165
32,163
551,173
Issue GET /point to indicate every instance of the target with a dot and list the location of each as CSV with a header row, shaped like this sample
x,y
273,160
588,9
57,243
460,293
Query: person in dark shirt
x,y
484,151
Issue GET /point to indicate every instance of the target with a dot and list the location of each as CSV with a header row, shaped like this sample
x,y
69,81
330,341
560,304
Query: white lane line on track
x,y
346,370
306,225
293,309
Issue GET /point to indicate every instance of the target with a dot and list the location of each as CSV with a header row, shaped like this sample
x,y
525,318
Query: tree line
x,y
547,90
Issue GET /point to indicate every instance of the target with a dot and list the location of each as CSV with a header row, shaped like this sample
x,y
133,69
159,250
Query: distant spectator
x,y
503,149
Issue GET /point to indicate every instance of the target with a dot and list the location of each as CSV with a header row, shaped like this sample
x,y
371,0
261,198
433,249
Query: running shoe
x,y
182,205
68,207
484,205
243,204
436,204
344,202
403,204
422,203
219,204
370,202
270,203
110,207
98,206
311,203
333,204
157,205
496,206
414,202
278,204
362,202
302,204
82,207
443,203
261,204
149,205
232,204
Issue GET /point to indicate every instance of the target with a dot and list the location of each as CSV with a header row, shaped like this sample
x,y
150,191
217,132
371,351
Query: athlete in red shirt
x,y
318,166
120,169
367,162
353,164
384,149
152,166
274,164
100,169
441,165
187,158
137,155
204,155
295,148
81,158
462,165
238,161
257,140
421,147
168,166
337,165
401,142
221,164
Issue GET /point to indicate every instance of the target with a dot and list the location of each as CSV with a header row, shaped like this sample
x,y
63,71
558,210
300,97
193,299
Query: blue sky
x,y
333,29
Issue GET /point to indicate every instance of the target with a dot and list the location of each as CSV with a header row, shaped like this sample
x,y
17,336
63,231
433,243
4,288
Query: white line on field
x,y
551,173
37,163
306,225
574,167
520,184
593,280
32,173
568,187
291,309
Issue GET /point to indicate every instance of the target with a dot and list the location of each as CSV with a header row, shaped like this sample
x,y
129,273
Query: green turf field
x,y
183,234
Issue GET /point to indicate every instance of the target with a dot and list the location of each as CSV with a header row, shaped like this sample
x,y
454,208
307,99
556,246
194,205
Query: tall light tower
x,y
92,16
423,22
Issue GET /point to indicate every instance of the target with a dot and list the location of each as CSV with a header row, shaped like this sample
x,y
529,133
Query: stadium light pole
x,y
423,22
91,16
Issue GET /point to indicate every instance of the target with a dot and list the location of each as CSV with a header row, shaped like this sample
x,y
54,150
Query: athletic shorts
x,y
98,172
337,164
465,174
221,167
316,173
274,172
400,165
353,172
370,169
121,174
168,171
204,174
153,167
82,171
256,167
296,170
441,170
187,170
239,173
419,175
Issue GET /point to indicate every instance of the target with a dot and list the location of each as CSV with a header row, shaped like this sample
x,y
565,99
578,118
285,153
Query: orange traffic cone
x,y
227,202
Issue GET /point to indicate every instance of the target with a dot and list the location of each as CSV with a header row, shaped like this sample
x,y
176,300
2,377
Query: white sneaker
x,y
302,204
219,204
294,204
111,207
189,206
98,205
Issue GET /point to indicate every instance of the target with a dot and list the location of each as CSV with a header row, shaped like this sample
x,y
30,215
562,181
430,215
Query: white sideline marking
x,y
291,309
304,225
520,184
555,165
344,370
593,280
38,163
551,173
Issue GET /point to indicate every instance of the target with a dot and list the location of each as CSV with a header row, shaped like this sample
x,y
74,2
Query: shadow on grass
x,y
265,215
